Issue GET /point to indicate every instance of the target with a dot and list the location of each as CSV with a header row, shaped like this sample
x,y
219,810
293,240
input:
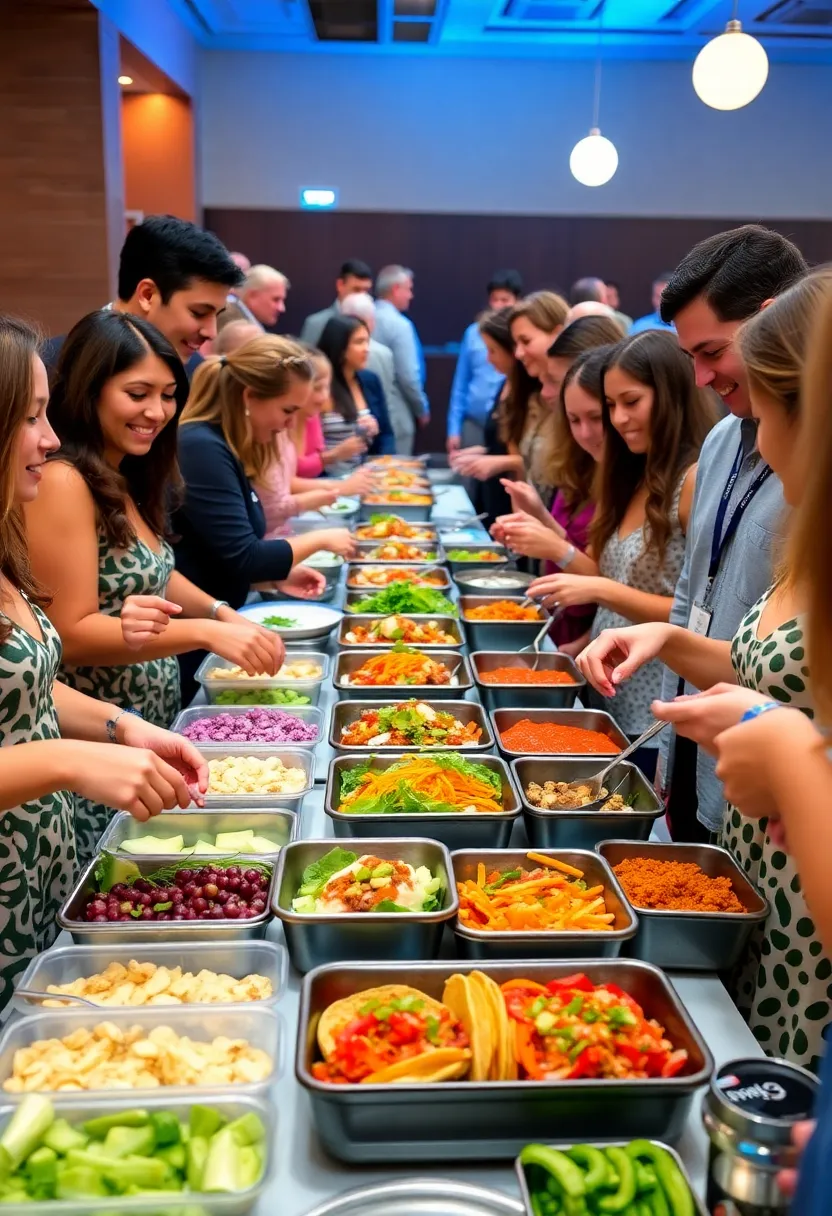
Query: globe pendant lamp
x,y
730,70
594,159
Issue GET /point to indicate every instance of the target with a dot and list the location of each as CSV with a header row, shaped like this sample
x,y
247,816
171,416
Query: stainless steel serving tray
x,y
520,1171
477,830
496,635
691,941
423,524
63,964
78,1107
138,932
464,1120
447,623
346,712
196,713
366,547
349,661
313,939
405,510
457,564
442,585
586,719
291,758
536,696
280,826
420,1197
306,688
490,944
582,828
356,597
513,583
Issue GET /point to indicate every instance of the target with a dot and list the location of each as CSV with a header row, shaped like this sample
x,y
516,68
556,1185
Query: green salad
x,y
280,622
472,555
401,597
366,790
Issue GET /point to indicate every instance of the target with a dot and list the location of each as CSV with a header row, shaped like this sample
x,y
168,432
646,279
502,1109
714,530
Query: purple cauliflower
x,y
258,725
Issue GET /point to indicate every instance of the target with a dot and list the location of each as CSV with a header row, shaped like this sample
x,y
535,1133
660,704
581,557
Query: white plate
x,y
313,620
341,506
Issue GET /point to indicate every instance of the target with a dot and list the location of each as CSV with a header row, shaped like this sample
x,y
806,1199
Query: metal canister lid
x,y
760,1100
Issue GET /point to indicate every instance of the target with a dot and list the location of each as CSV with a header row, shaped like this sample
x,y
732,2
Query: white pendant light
x,y
730,71
594,159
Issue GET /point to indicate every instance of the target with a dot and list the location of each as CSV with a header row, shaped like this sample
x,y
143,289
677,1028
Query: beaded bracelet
x,y
756,710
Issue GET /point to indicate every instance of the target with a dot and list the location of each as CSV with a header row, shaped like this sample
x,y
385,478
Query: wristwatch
x,y
110,724
215,607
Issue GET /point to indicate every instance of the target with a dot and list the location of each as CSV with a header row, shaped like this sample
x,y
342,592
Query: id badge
x,y
699,621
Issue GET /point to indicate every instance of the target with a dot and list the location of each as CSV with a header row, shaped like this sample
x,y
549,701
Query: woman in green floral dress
x,y
97,532
782,985
39,768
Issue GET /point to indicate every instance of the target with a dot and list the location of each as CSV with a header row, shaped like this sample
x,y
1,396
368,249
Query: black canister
x,y
749,1113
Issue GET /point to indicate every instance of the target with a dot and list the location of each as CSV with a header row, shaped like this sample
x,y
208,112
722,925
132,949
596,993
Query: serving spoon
x,y
596,781
32,994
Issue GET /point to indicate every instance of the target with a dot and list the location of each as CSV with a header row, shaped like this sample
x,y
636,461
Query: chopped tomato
x,y
577,983
674,1063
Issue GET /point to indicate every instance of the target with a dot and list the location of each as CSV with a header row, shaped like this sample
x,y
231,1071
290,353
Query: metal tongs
x,y
543,631
460,525
596,782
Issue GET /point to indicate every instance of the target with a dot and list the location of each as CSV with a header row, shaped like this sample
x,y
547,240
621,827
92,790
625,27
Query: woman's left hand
x,y
565,590
704,715
533,538
175,750
368,425
360,482
742,752
304,582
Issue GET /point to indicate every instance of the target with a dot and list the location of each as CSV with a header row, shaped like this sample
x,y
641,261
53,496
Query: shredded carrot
x,y
543,860
422,775
536,901
503,610
401,667
525,1051
480,875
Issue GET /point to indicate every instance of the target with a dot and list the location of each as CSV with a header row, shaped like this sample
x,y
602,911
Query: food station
x,y
403,950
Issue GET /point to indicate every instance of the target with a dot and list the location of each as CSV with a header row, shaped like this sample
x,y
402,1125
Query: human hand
x,y
452,444
532,538
358,483
479,467
348,449
742,753
337,540
497,530
257,650
304,582
173,750
617,654
564,590
129,778
460,460
368,425
704,715
524,497
801,1135
144,616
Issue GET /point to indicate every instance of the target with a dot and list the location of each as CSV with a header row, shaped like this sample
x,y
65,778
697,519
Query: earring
x,y
247,414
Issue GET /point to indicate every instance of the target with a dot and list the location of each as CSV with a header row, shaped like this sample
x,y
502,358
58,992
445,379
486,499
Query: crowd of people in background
x,y
666,480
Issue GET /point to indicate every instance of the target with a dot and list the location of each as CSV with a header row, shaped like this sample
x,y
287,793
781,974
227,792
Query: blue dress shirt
x,y
653,320
476,383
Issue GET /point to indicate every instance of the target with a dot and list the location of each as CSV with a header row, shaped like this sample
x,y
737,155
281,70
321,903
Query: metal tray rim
x,y
574,670
535,711
400,1189
578,812
462,672
359,617
686,1084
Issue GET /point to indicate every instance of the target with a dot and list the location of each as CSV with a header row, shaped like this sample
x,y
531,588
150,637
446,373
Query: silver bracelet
x,y
566,561
215,607
111,723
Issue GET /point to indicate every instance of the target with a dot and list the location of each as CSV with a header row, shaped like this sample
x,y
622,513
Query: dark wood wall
x,y
452,257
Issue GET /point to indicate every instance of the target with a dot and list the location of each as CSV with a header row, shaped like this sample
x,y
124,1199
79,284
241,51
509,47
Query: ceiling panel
x,y
796,29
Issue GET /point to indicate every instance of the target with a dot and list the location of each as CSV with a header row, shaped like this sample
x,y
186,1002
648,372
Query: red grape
x,y
99,919
199,904
232,911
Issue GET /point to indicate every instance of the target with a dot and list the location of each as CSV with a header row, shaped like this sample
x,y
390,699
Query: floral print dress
x,y
152,687
37,841
783,985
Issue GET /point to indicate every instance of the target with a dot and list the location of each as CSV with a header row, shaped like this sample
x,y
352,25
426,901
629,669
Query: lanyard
x,y
720,538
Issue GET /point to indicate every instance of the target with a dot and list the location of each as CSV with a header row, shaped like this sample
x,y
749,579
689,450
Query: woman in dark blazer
x,y
358,402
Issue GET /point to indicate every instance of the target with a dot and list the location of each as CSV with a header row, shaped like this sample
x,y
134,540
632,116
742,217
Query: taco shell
x,y
469,1002
442,1064
503,1063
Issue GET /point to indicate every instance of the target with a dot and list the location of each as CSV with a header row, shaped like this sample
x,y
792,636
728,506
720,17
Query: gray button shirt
x,y
744,571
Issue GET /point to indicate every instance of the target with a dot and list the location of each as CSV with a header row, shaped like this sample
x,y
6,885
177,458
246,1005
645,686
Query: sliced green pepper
x,y
593,1161
645,1177
626,1192
565,1172
658,1201
670,1178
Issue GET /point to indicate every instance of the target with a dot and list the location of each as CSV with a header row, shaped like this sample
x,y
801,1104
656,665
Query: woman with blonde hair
x,y
782,984
527,424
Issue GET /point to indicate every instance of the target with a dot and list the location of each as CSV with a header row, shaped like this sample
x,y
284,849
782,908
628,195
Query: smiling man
x,y
176,276
738,504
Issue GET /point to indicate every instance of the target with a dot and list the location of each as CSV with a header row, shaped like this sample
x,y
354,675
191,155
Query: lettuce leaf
x,y
402,597
351,778
388,905
469,768
318,873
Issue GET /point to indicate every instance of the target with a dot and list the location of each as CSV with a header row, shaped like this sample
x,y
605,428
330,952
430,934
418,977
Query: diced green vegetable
x,y
130,1141
61,1137
205,1121
24,1131
98,1128
166,1127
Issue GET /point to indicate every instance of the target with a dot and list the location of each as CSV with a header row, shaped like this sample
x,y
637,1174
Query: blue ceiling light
x,y
318,198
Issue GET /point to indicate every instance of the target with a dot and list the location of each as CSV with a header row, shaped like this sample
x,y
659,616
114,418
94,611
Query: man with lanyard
x,y
738,504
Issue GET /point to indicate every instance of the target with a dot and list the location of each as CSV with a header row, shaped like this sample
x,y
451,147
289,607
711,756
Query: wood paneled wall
x,y
158,142
61,199
453,256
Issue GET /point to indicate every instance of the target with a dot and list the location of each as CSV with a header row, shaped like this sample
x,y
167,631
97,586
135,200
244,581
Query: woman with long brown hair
x,y
98,532
655,419
40,717
526,425
781,986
